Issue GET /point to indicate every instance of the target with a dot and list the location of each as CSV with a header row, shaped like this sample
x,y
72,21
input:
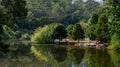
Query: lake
x,y
46,55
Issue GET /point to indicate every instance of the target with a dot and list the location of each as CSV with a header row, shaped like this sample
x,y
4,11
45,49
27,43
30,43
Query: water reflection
x,y
80,57
45,55
98,58
76,55
59,53
115,58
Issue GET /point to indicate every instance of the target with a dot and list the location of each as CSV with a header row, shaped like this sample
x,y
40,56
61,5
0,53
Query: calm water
x,y
58,56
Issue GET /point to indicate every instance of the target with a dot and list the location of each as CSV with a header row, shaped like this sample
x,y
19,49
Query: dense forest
x,y
43,21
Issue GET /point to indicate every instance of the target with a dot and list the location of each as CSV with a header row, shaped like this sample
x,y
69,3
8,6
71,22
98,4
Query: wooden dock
x,y
74,42
81,43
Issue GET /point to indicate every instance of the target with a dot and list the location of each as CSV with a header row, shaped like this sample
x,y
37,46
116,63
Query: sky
x,y
100,1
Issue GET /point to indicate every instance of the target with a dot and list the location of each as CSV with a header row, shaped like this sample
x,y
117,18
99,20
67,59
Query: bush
x,y
25,37
69,30
49,33
8,32
101,29
115,42
78,32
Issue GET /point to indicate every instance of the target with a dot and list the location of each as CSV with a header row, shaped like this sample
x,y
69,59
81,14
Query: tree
x,y
16,7
115,41
114,22
49,33
101,32
12,9
69,30
92,26
78,32
90,7
91,31
60,32
9,11
93,19
61,11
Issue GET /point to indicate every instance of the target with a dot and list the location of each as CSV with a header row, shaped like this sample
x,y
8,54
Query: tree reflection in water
x,y
60,56
98,58
59,53
76,55
81,57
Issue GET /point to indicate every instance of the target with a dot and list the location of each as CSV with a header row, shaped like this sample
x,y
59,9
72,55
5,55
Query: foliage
x,y
89,10
49,33
115,41
16,7
93,19
9,10
25,37
8,32
62,11
78,32
5,18
69,30
101,31
92,26
107,27
91,31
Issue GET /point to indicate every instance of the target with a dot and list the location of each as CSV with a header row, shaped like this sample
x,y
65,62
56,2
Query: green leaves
x,y
70,30
49,33
93,19
16,7
115,41
78,32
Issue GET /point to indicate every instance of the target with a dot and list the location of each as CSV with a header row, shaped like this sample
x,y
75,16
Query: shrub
x,y
115,42
25,37
49,33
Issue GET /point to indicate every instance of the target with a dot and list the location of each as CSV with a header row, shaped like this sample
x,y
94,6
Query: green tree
x,y
69,30
92,26
60,32
9,10
101,32
49,33
61,11
91,31
90,7
16,7
115,41
78,32
93,19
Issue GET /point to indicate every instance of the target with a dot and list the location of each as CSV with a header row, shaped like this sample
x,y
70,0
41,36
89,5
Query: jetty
x,y
88,43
